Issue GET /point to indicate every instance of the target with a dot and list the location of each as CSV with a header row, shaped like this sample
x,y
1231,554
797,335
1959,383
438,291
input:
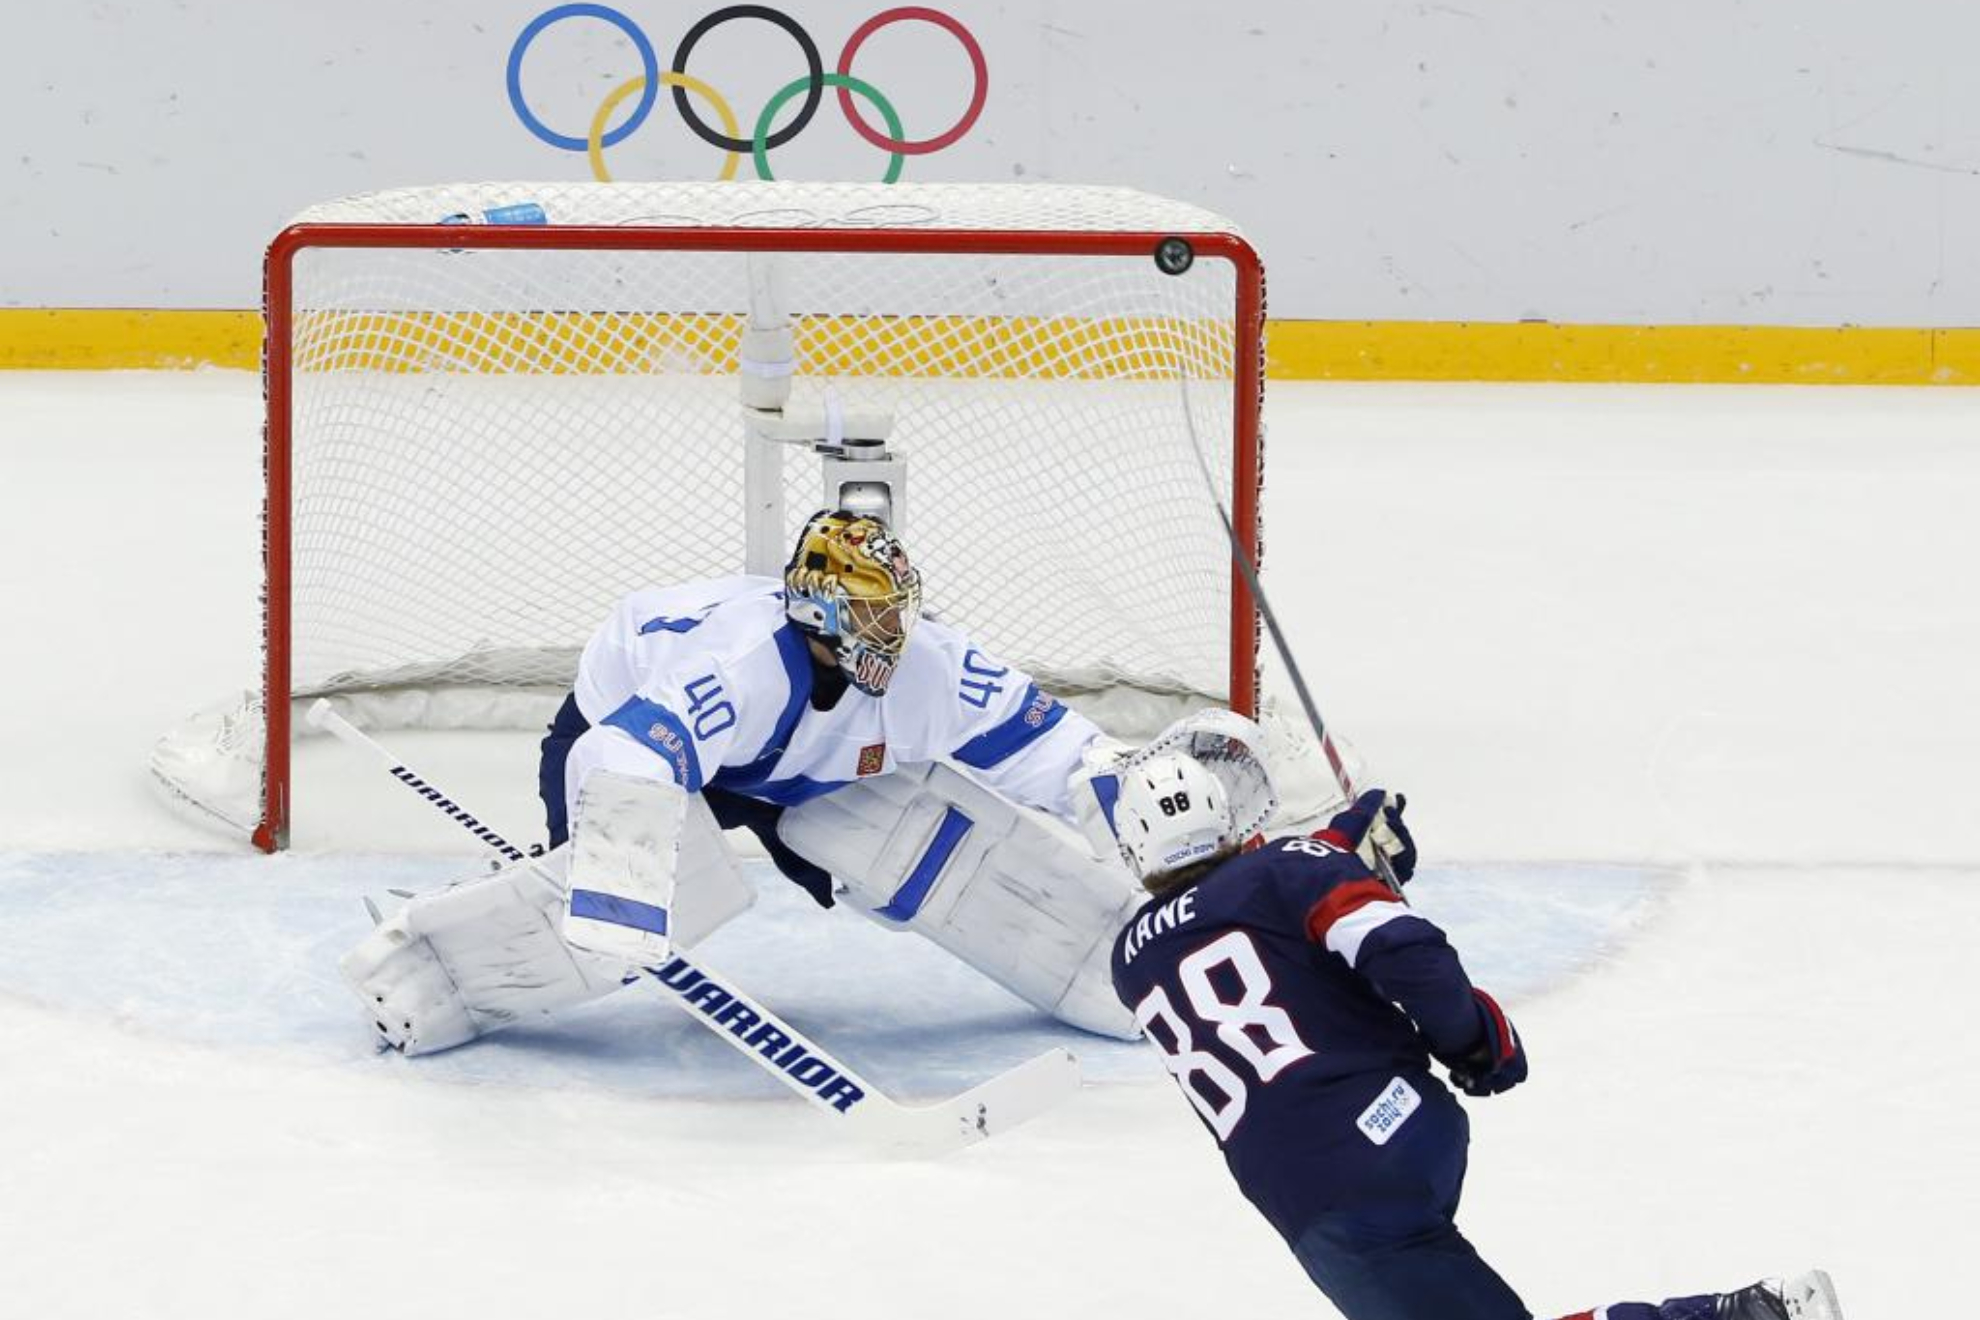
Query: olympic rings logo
x,y
729,138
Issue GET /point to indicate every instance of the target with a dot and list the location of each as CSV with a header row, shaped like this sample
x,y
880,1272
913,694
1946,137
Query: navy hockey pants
x,y
732,810
1390,1248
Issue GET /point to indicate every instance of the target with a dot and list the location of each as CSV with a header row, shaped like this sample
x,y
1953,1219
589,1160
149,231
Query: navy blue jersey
x,y
1287,989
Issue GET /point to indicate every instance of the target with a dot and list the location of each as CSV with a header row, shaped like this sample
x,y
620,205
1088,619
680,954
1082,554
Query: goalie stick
x,y
1249,570
713,1000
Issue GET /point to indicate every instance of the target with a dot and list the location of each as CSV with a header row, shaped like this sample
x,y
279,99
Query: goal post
x,y
480,435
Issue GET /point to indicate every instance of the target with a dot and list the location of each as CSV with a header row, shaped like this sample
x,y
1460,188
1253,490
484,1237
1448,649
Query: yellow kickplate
x,y
110,338
1699,354
113,338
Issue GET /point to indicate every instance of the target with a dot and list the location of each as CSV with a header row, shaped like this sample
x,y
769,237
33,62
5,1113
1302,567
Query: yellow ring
x,y
595,140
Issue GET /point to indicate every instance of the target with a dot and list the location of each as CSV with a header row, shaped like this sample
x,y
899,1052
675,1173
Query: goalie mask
x,y
850,585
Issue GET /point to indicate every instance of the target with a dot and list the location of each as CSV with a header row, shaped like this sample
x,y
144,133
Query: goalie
x,y
881,758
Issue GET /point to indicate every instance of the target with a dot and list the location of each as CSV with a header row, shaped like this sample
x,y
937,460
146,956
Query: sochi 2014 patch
x,y
1390,1111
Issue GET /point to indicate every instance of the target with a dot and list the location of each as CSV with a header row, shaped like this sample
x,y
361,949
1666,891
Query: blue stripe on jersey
x,y
661,732
1107,793
750,778
788,792
618,911
1034,719
907,900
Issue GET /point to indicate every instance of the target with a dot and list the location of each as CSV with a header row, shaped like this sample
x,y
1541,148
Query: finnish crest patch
x,y
872,760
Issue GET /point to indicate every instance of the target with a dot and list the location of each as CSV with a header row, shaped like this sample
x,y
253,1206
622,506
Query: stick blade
x,y
984,1111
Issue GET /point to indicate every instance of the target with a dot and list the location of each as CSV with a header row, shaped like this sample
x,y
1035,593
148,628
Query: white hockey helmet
x,y
1171,812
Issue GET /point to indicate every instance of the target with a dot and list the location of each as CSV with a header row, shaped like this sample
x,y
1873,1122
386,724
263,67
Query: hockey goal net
x,y
480,435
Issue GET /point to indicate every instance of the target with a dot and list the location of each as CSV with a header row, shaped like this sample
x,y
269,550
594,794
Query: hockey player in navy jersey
x,y
877,754
1299,1003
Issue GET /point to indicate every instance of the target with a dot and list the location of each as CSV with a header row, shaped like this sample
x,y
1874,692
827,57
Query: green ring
x,y
759,145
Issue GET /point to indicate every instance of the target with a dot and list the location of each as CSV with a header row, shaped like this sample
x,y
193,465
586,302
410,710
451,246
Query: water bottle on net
x,y
516,213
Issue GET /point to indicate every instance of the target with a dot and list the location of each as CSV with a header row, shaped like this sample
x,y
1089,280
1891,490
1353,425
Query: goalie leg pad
x,y
471,959
625,851
1013,892
489,952
413,1003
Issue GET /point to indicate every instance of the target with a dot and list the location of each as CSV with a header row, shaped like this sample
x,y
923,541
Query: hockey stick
x,y
1241,556
1009,1098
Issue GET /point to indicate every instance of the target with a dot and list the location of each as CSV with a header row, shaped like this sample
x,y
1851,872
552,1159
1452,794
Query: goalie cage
x,y
479,437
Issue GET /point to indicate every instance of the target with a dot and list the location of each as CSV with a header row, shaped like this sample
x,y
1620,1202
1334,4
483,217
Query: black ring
x,y
812,97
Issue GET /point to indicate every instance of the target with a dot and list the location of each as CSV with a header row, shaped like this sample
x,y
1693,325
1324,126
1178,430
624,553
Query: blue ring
x,y
649,62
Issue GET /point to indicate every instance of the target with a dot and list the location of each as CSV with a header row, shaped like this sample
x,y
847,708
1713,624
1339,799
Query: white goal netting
x,y
475,449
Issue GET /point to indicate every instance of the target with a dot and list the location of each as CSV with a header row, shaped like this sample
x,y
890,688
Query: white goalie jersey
x,y
708,684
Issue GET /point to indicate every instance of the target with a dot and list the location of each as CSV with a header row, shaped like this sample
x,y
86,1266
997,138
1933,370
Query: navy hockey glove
x,y
1499,1062
1375,821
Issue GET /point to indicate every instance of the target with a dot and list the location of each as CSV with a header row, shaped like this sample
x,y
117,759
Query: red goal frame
x,y
272,832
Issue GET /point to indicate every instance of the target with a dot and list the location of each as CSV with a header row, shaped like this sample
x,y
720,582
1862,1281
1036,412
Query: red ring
x,y
980,70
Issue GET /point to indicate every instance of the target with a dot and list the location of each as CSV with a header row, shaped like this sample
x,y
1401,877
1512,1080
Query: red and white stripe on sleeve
x,y
1350,913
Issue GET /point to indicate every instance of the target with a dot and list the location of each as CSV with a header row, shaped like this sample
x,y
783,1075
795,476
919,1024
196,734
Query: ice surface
x,y
1680,682
240,952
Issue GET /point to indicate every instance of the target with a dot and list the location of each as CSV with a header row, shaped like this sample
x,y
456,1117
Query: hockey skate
x,y
1809,1297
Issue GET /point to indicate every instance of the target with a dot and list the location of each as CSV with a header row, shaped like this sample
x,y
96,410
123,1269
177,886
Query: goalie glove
x,y
1375,824
1225,743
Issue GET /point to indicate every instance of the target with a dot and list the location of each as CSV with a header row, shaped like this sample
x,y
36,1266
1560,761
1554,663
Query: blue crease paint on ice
x,y
241,952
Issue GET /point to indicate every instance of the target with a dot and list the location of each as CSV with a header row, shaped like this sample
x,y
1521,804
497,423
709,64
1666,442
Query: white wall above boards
x,y
1772,161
